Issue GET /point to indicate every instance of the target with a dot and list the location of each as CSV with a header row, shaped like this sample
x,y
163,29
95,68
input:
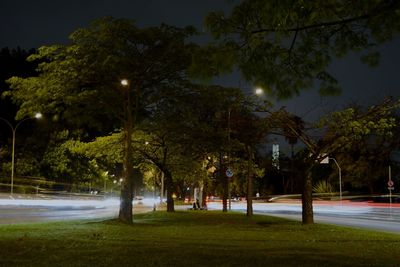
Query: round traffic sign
x,y
390,183
229,173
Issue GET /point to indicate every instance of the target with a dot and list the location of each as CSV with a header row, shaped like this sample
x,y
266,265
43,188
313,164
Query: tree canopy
x,y
108,78
285,46
339,132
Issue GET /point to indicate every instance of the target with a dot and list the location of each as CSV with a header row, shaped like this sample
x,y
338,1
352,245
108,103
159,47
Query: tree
x,y
364,165
61,164
13,62
184,129
284,46
106,76
248,130
340,131
292,139
204,119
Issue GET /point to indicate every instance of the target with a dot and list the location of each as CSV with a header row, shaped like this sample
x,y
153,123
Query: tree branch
x,y
372,13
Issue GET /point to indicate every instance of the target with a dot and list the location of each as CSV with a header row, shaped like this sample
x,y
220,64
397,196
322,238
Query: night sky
x,y
31,24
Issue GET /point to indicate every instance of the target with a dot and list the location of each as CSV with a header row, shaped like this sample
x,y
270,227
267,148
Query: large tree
x,y
248,130
108,74
365,164
285,46
336,133
187,127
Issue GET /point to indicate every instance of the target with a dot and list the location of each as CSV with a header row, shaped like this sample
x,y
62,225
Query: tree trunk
x,y
125,210
170,191
307,205
205,194
249,182
225,193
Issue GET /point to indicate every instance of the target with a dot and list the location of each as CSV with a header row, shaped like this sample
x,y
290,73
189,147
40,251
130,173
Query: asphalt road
x,y
13,211
380,217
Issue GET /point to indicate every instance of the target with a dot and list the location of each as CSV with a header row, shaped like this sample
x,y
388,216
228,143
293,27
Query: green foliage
x,y
341,129
62,164
104,148
353,124
339,132
80,82
365,163
323,186
372,59
284,46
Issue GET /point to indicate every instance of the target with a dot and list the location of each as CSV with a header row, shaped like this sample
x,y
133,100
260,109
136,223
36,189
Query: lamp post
x,y
340,179
14,130
259,92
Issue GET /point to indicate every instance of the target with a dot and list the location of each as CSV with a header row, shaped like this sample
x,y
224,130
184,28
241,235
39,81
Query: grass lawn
x,y
194,238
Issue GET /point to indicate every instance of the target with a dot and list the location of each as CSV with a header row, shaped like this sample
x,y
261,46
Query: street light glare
x,y
124,82
259,91
38,115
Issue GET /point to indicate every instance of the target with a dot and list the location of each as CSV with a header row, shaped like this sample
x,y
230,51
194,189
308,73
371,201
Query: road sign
x,y
391,188
390,183
229,173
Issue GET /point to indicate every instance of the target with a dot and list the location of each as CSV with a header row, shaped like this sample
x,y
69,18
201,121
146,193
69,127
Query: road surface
x,y
14,211
380,217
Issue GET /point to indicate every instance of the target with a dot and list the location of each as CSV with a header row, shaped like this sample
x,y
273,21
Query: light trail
x,y
73,203
358,214
365,215
38,210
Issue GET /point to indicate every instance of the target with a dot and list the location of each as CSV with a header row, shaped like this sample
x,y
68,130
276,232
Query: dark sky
x,y
33,23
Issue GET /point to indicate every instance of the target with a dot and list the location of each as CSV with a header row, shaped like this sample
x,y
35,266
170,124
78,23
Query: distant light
x,y
146,143
121,180
38,115
259,91
124,82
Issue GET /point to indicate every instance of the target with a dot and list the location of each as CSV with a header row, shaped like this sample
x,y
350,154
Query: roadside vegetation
x,y
189,238
132,109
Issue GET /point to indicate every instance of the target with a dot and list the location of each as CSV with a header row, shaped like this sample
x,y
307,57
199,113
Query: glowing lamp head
x,y
124,82
259,91
38,115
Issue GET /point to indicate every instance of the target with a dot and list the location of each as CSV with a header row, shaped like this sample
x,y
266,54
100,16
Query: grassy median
x,y
190,238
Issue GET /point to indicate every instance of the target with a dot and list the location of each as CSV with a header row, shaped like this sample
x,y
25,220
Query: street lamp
x,y
124,82
340,179
259,91
14,130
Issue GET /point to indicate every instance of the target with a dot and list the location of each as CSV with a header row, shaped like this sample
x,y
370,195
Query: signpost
x,y
325,160
390,184
229,172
